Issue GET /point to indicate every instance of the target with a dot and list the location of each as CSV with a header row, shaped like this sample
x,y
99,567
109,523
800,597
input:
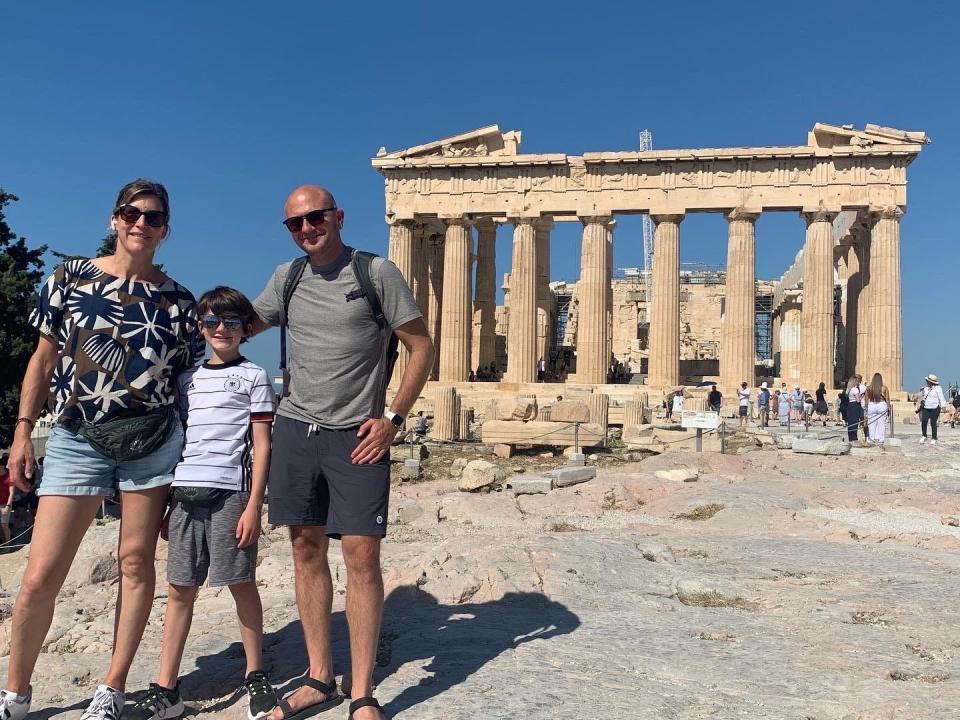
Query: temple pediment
x,y
487,140
825,135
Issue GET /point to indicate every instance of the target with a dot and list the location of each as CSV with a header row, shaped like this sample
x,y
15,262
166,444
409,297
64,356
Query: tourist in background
x,y
677,404
775,405
878,409
842,401
118,323
743,403
820,406
763,404
807,407
796,403
784,408
955,417
931,402
855,401
714,399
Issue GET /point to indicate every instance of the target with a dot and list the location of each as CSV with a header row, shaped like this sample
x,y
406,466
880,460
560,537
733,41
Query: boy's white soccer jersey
x,y
221,401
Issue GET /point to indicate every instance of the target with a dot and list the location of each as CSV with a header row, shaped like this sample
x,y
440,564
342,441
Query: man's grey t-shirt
x,y
336,352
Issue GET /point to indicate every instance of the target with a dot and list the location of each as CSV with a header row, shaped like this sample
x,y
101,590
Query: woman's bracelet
x,y
26,420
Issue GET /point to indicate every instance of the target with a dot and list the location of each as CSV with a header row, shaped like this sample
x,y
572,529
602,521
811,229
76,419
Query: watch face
x,y
395,419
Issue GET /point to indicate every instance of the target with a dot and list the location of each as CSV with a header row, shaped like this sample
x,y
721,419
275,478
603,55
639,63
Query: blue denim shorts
x,y
73,467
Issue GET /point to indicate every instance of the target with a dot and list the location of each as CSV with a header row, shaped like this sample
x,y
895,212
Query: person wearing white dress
x,y
878,409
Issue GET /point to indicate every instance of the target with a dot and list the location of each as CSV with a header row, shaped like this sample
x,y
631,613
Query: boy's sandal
x,y
364,702
332,699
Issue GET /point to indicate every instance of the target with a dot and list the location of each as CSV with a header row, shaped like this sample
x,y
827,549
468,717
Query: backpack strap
x,y
294,273
361,262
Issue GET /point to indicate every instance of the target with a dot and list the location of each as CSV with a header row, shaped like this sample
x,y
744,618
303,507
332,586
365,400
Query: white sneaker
x,y
107,704
923,440
933,442
13,709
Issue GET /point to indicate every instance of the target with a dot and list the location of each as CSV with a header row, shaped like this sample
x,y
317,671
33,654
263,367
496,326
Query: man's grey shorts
x,y
313,482
204,540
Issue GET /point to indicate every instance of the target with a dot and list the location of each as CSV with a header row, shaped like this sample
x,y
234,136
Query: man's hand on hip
x,y
377,434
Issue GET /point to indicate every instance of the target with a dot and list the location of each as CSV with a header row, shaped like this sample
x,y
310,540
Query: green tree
x,y
21,270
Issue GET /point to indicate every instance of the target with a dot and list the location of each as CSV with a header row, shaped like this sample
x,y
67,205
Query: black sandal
x,y
332,699
365,702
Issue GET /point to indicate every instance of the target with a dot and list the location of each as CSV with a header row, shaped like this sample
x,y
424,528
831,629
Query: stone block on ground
x,y
502,450
570,411
575,458
531,485
567,475
682,474
822,445
410,470
784,440
479,474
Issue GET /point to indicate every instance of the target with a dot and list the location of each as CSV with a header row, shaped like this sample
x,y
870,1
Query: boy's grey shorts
x,y
204,540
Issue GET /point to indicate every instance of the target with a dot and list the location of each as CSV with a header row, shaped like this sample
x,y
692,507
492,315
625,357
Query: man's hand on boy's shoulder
x,y
249,528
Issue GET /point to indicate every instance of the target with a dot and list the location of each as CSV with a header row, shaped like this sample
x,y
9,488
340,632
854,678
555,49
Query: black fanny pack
x,y
128,438
199,497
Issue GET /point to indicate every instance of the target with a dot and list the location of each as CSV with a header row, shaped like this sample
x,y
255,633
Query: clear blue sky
x,y
233,104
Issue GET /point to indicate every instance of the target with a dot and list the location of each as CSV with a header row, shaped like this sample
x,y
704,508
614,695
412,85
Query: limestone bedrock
x,y
777,586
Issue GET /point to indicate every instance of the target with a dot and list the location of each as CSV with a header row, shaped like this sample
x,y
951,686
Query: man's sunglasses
x,y
212,322
314,217
131,213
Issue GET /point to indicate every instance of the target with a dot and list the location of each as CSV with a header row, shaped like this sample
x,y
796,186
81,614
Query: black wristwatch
x,y
397,420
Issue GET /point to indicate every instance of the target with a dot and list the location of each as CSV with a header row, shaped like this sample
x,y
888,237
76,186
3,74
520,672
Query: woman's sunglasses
x,y
212,322
131,213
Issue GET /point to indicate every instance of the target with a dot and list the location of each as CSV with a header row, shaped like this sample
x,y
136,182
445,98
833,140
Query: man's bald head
x,y
316,233
313,195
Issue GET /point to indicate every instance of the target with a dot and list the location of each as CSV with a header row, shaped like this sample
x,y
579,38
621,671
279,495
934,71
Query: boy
x,y
214,521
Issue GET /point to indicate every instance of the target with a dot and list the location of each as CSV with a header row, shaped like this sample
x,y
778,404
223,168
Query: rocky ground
x,y
775,585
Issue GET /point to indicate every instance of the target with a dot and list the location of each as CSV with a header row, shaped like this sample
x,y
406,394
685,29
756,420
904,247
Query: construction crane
x,y
646,143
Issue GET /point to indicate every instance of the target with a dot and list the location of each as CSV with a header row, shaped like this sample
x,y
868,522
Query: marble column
x,y
886,344
593,293
851,306
522,327
456,315
421,269
738,350
435,248
664,355
545,310
790,342
816,322
401,253
485,300
864,359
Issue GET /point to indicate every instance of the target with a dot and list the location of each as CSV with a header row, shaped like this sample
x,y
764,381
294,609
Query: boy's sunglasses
x,y
131,213
212,322
314,217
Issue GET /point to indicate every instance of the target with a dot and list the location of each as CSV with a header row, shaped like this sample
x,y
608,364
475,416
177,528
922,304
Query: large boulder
x,y
570,411
822,445
479,474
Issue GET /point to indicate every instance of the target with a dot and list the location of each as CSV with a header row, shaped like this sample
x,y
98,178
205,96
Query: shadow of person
x,y
456,640
50,712
459,639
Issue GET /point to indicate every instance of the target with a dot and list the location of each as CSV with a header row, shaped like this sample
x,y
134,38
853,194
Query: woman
x,y
677,403
820,406
878,409
796,400
784,408
842,401
931,402
854,408
115,332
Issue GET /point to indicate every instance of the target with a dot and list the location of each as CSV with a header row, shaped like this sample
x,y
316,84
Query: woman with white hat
x,y
931,401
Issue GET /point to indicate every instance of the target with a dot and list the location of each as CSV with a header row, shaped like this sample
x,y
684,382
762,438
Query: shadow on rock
x,y
453,641
458,640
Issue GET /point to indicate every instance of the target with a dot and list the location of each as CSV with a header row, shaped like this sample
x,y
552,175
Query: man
x,y
329,474
763,404
714,399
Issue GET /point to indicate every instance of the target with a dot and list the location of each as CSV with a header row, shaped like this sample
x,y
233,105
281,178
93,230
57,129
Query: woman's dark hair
x,y
223,300
143,186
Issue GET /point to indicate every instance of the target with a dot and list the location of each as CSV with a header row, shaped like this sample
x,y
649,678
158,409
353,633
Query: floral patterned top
x,y
122,342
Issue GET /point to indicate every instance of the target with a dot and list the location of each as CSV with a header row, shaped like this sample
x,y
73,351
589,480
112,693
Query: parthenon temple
x,y
835,311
